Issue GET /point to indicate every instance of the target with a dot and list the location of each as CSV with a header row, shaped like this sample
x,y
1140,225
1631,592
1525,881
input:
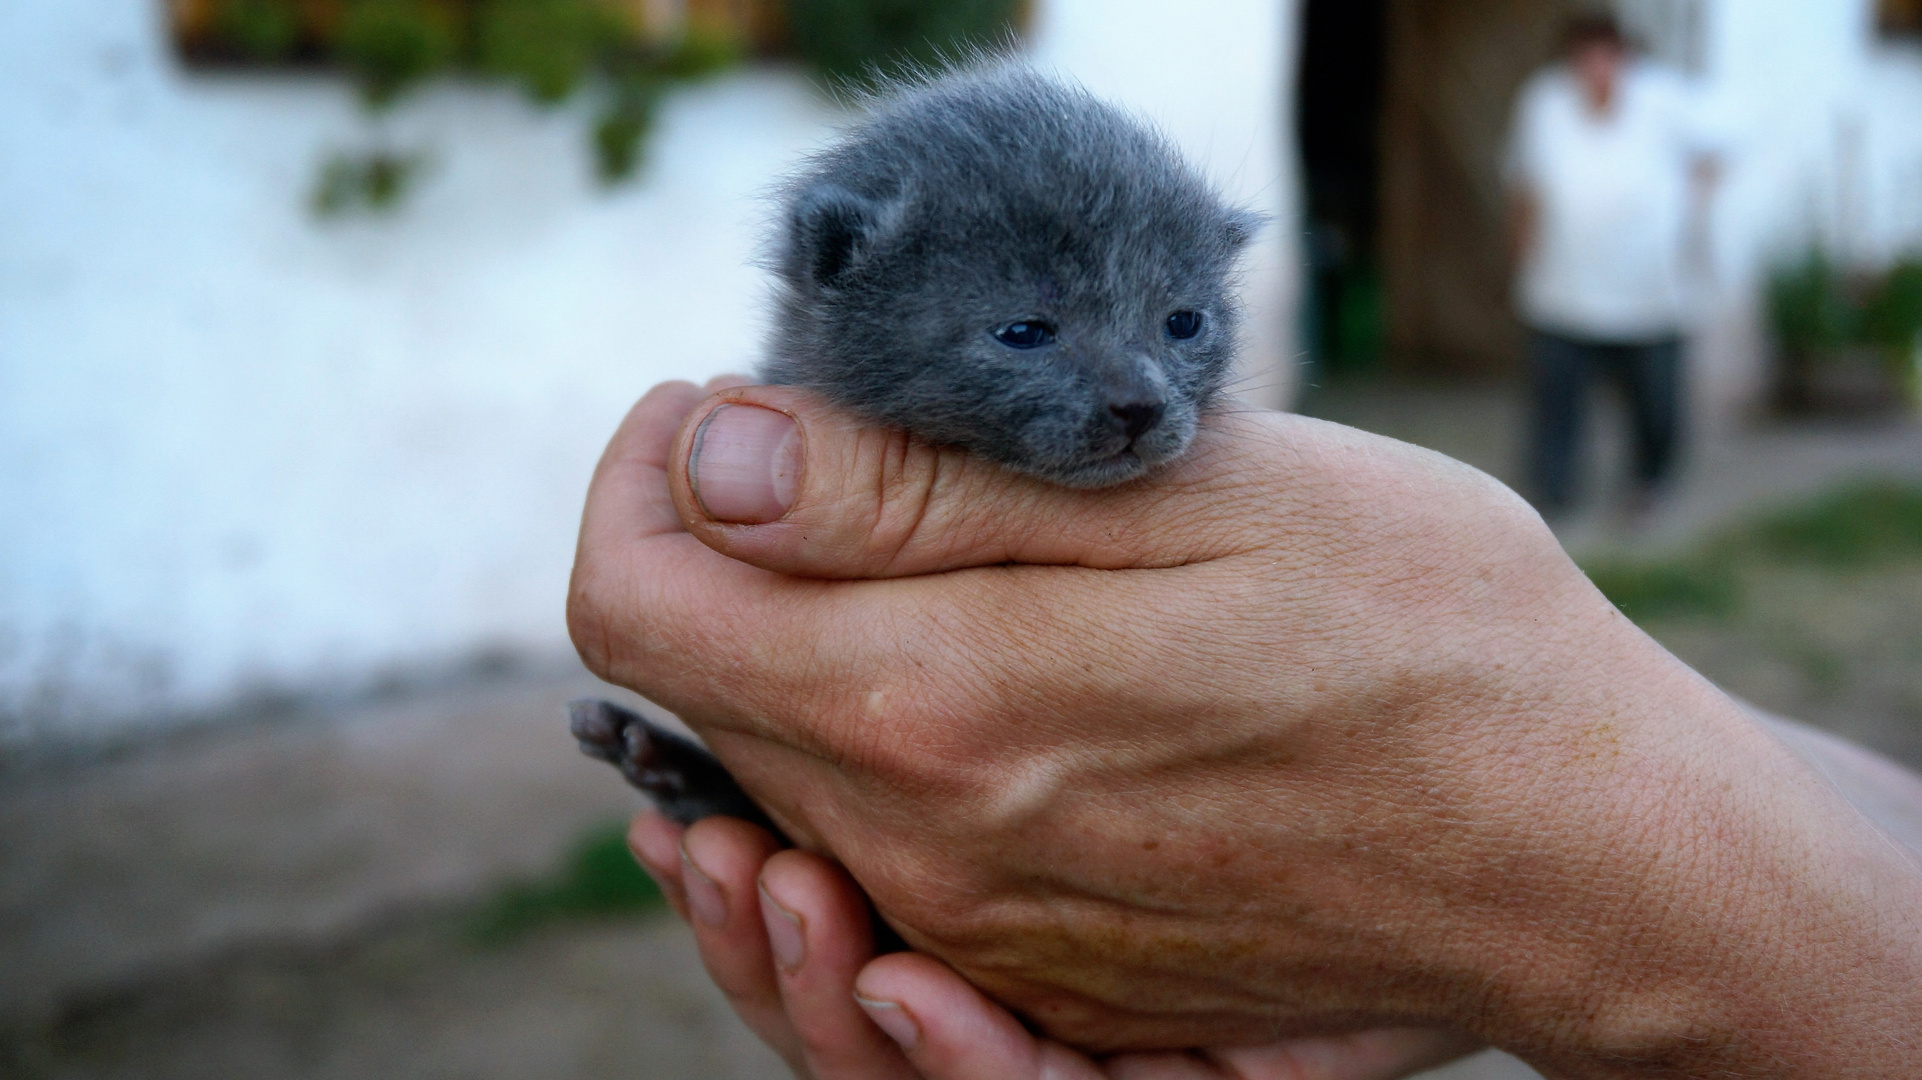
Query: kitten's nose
x,y
1138,417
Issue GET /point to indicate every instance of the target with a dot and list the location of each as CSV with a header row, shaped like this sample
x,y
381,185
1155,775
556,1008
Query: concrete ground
x,y
274,899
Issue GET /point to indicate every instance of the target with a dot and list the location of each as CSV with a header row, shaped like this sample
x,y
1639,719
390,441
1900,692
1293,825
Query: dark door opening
x,y
1402,110
1338,113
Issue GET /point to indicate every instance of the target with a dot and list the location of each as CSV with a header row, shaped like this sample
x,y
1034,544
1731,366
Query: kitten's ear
x,y
830,229
1242,226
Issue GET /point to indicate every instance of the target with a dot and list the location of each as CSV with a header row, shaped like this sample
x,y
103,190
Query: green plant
x,y
1864,525
550,49
1814,306
598,879
622,127
260,30
634,85
548,46
859,40
372,181
393,44
1867,524
1810,307
1893,317
1659,589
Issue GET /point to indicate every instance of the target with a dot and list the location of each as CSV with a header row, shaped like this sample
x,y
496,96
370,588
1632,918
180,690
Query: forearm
x,y
1744,920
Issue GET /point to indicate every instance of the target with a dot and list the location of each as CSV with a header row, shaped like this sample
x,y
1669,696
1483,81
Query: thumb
x,y
778,477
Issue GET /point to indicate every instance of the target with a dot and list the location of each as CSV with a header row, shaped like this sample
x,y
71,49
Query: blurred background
x,y
314,315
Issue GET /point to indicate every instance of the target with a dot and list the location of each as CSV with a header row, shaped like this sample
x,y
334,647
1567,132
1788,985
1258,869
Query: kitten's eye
x,y
1183,325
1025,335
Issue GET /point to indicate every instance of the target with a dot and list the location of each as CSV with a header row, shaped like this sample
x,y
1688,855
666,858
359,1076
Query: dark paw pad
x,y
685,781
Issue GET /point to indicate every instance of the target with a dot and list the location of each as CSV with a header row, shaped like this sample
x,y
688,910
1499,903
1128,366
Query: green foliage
x,y
1810,307
393,44
1893,317
1815,307
548,46
1865,525
1862,526
260,30
701,52
598,880
374,181
1668,589
622,128
635,84
861,39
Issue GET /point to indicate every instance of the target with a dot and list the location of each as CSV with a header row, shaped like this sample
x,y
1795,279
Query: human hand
x,y
1316,732
787,936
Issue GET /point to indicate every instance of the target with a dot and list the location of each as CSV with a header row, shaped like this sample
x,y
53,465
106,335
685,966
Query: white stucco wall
x,y
242,451
1824,127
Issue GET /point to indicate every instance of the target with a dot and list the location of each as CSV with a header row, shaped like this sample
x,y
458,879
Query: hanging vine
x,y
554,50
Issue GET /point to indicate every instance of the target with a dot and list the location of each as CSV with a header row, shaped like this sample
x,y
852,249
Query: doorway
x,y
1338,120
1402,112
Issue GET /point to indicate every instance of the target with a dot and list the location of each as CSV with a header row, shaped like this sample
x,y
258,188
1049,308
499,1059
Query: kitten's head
x,y
999,262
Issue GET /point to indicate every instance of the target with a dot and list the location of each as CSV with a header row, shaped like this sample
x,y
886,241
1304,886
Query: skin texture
x,y
816,1001
1315,733
995,198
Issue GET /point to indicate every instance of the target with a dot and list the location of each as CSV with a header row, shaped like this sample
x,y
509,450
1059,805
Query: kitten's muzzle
x,y
1135,395
1138,417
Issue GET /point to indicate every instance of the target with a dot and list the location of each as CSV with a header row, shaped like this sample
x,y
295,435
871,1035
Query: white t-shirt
x,y
1612,194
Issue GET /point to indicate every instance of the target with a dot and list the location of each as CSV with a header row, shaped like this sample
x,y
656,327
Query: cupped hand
x,y
1314,732
787,936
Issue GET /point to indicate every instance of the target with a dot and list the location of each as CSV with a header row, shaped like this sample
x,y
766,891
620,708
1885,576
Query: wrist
x,y
1739,919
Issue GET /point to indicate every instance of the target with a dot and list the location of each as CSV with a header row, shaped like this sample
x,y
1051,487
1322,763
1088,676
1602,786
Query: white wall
x,y
243,451
1825,136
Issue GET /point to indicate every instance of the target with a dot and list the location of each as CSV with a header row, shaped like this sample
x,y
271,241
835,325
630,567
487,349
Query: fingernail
x,y
745,464
785,934
703,896
893,1019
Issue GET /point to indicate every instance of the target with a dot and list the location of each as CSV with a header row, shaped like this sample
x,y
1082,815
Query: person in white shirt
x,y
1607,170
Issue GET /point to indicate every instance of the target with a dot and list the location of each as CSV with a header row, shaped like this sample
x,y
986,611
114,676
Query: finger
x,y
776,477
628,503
819,931
721,859
1385,1054
655,842
627,496
1163,1067
951,1032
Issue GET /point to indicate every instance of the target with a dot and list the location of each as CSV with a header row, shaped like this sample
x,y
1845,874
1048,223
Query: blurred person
x,y
1314,736
1609,176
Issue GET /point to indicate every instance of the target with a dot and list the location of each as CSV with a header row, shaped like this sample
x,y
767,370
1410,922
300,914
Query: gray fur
x,y
971,201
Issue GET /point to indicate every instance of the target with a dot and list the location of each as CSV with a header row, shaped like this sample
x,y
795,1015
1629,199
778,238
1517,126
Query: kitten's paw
x,y
685,782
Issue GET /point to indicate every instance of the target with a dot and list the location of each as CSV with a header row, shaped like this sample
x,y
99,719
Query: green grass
x,y
1861,526
1871,524
1657,589
598,880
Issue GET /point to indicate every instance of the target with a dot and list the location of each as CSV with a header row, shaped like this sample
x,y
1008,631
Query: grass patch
x,y
598,880
1659,589
1861,526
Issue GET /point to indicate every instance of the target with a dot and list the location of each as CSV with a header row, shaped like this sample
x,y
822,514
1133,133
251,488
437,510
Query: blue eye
x,y
1183,325
1025,335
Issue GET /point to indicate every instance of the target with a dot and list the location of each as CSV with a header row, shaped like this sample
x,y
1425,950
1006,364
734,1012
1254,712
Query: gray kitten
x,y
1001,262
997,261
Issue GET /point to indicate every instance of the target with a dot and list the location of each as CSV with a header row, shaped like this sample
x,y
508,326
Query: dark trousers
x,y
1650,377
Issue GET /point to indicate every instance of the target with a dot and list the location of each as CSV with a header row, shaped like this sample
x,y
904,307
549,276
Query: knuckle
x,y
588,627
903,476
